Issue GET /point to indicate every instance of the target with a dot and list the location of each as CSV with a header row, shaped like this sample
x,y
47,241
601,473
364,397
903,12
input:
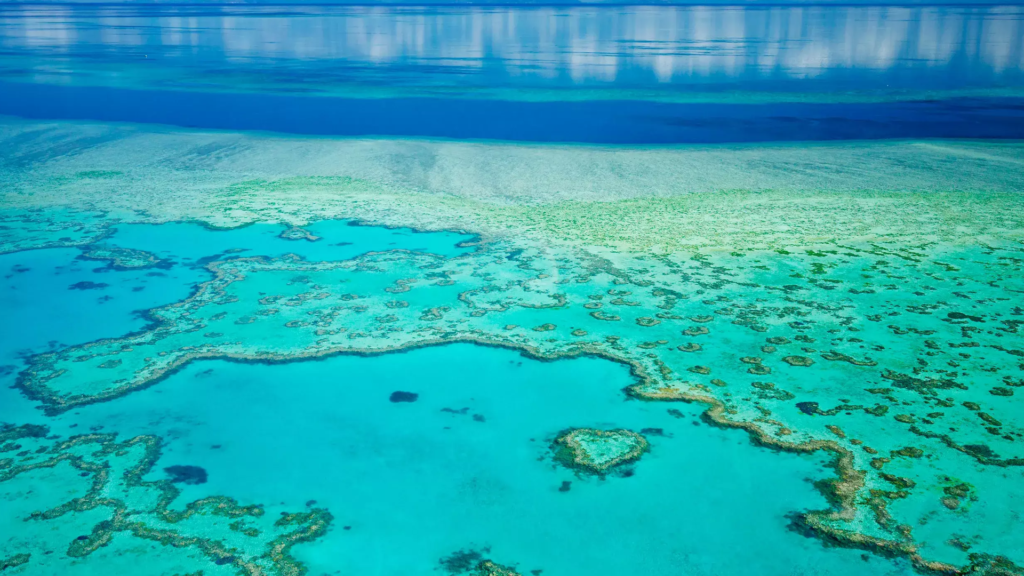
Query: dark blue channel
x,y
602,122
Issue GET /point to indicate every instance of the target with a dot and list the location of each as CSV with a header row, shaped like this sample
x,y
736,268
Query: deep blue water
x,y
617,74
600,121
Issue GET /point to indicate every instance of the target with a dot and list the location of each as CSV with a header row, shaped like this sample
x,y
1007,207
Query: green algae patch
x,y
598,451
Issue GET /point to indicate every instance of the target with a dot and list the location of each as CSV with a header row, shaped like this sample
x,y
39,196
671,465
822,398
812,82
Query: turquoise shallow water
x,y
467,466
415,483
37,285
334,240
37,294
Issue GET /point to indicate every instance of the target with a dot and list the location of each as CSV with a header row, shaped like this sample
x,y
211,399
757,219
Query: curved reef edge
x,y
840,492
105,228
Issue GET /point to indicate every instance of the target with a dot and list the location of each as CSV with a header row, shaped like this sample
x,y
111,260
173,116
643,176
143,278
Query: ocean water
x,y
509,290
626,75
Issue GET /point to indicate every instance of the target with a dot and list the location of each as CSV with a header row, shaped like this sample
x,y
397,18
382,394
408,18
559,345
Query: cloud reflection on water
x,y
846,47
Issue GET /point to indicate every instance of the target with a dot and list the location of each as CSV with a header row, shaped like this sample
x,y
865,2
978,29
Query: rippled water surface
x,y
608,75
672,50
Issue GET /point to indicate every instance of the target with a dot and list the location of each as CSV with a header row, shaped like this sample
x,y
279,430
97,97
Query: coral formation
x,y
598,451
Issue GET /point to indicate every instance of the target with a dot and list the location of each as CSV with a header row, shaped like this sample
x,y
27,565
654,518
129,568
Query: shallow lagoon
x,y
323,241
467,466
416,483
59,299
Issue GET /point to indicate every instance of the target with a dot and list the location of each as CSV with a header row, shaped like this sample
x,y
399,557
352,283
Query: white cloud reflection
x,y
634,45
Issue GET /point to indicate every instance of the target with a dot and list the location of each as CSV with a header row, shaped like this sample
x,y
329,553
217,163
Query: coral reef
x,y
888,288
598,451
111,473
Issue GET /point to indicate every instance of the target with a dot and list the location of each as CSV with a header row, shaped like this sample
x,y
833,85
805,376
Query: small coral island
x,y
598,451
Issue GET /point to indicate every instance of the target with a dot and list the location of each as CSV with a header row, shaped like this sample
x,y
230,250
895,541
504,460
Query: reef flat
x,y
597,197
860,300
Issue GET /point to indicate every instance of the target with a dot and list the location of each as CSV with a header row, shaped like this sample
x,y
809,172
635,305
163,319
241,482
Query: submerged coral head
x,y
186,474
399,396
